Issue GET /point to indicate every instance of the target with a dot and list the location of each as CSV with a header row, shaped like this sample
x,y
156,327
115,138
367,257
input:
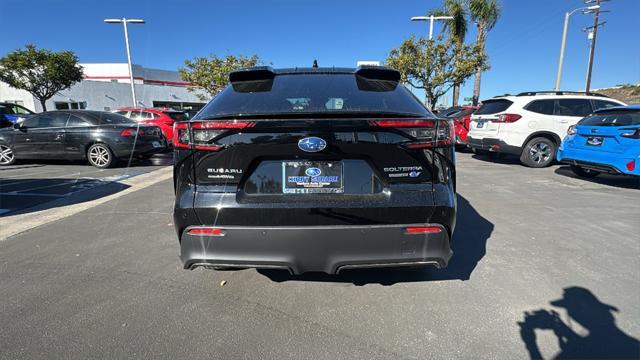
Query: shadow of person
x,y
604,340
469,247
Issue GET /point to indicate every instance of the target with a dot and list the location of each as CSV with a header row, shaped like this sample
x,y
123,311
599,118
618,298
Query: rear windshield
x,y
311,94
177,116
612,118
493,107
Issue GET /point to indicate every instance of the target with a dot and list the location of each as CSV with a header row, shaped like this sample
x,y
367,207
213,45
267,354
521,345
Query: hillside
x,y
629,94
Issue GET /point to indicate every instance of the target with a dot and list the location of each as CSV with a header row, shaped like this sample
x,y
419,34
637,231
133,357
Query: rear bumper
x,y
598,160
124,149
327,249
492,144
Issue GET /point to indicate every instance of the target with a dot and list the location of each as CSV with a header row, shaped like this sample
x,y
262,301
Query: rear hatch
x,y
306,165
608,131
487,119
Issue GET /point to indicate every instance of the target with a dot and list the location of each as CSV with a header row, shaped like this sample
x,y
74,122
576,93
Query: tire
x,y
7,157
582,172
538,153
100,156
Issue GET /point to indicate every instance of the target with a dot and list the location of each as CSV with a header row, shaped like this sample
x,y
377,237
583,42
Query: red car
x,y
461,116
161,117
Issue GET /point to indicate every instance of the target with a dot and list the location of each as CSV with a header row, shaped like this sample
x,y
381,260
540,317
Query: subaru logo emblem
x,y
312,144
313,172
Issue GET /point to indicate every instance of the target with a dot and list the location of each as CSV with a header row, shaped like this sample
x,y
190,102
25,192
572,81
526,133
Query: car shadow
x,y
603,339
469,247
621,181
498,158
21,196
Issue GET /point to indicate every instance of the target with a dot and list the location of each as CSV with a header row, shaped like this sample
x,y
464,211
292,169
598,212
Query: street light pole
x,y
124,22
431,19
562,44
564,39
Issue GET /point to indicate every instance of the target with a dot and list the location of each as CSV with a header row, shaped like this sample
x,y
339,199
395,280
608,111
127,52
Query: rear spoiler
x,y
378,73
260,78
252,79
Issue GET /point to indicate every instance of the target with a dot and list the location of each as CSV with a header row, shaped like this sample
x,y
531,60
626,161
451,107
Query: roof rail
x,y
553,92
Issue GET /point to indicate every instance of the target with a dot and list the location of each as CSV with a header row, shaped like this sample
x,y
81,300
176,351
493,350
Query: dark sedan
x,y
100,137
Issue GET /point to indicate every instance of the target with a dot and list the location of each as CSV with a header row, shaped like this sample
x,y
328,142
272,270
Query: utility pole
x,y
585,10
593,35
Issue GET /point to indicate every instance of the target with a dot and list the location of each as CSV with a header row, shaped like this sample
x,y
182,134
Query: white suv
x,y
531,124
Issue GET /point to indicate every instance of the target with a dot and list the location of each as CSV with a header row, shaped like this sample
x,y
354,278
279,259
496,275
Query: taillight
x,y
631,165
200,135
427,133
571,130
206,231
422,230
507,118
632,135
131,132
181,135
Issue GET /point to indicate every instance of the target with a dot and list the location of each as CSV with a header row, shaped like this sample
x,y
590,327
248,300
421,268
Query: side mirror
x,y
16,126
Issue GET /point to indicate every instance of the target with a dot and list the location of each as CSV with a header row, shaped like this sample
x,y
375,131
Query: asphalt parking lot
x,y
107,282
34,183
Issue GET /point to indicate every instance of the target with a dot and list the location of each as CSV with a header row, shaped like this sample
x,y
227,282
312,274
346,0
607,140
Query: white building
x,y
106,87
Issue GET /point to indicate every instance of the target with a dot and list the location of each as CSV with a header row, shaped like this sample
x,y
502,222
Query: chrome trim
x,y
212,265
383,265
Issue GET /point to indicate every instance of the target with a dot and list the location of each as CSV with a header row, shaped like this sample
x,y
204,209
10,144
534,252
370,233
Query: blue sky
x,y
523,47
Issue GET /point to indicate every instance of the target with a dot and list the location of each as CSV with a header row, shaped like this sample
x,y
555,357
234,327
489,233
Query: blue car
x,y
11,113
607,141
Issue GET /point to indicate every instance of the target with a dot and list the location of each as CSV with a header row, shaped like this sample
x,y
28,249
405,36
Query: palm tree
x,y
485,14
456,28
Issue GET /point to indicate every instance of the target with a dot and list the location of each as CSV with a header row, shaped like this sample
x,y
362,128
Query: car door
x,y
568,112
77,136
23,137
41,136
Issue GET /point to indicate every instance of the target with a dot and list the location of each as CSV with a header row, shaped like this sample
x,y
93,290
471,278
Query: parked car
x,y
100,137
531,125
11,113
461,117
320,169
607,141
160,117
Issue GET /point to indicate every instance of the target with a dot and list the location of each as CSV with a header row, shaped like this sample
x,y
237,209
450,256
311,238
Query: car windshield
x,y
493,106
316,94
612,118
177,116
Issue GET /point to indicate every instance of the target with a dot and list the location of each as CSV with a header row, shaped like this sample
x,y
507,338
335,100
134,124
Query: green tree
x,y
456,29
212,74
485,14
41,72
435,66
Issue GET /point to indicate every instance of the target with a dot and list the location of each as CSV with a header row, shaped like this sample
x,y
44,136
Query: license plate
x,y
312,177
595,140
480,125
156,144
